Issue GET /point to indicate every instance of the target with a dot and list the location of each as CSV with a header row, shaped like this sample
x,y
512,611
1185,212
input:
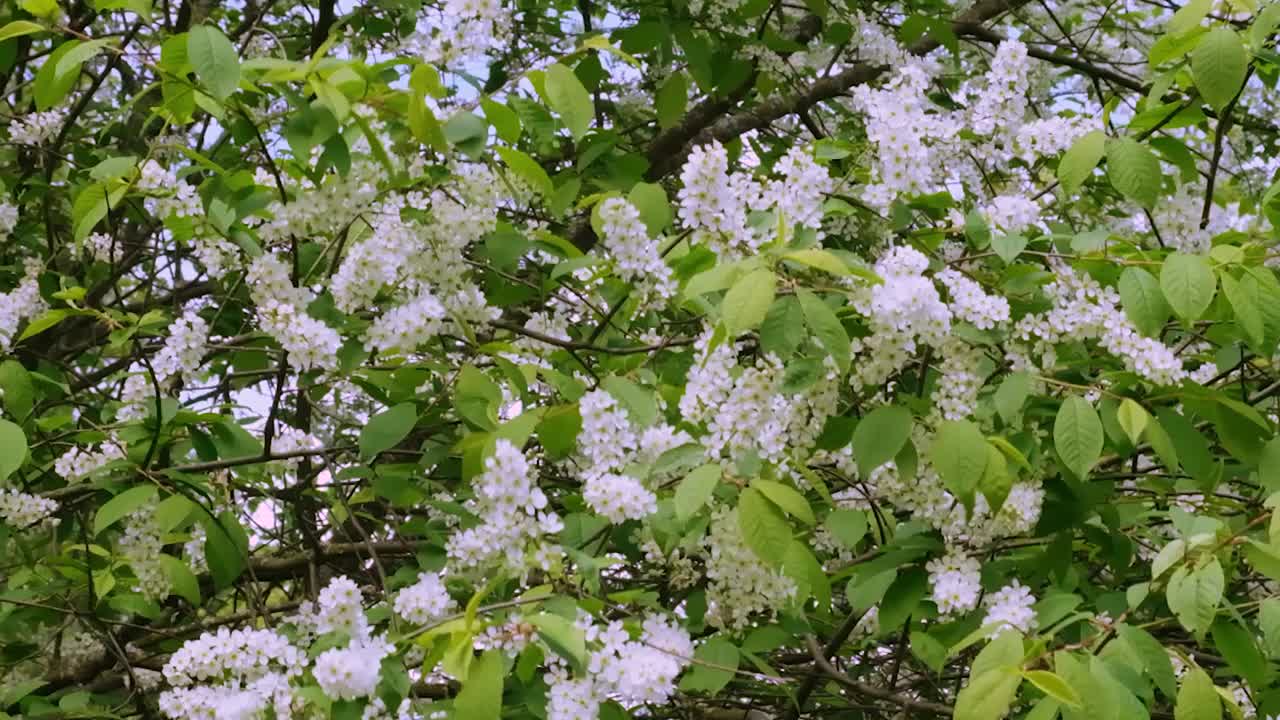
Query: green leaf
x,y
1080,159
826,326
1269,623
1132,418
115,509
959,454
863,593
214,59
1160,441
1155,659
848,526
1077,435
172,511
996,480
1143,302
988,696
929,650
879,436
13,448
717,660
481,694
820,259
695,490
18,28
1197,698
787,498
184,582
226,547
1134,171
1243,297
1188,284
505,121
566,639
386,429
902,599
763,527
528,169
655,210
570,100
1053,686
640,405
672,98
1219,64
1012,395
1008,247
91,206
747,302
1193,595
50,88
1236,645
70,63
1188,17
803,568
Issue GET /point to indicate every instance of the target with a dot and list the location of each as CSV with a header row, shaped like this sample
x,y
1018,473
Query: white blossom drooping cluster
x,y
166,194
79,462
141,547
352,672
1012,214
633,673
1084,310
282,312
461,31
1002,101
636,257
1010,607
607,444
955,582
325,208
21,510
21,303
514,517
183,350
424,601
232,674
798,195
970,303
956,394
739,583
715,203
37,127
745,410
8,218
404,328
903,312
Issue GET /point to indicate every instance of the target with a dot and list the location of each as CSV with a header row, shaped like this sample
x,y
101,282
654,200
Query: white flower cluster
x,y
183,350
8,219
956,394
1012,214
1010,607
141,547
1003,100
232,675
955,581
79,462
104,248
744,409
461,31
403,328
1084,310
282,312
607,444
168,196
351,672
37,127
514,516
325,209
20,303
424,601
903,311
715,203
21,510
970,303
739,583
636,257
631,672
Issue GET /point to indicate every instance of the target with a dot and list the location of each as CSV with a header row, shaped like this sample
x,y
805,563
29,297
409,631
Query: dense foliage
x,y
725,359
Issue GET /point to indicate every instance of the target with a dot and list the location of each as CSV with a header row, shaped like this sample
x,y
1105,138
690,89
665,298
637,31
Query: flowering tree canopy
x,y
705,359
